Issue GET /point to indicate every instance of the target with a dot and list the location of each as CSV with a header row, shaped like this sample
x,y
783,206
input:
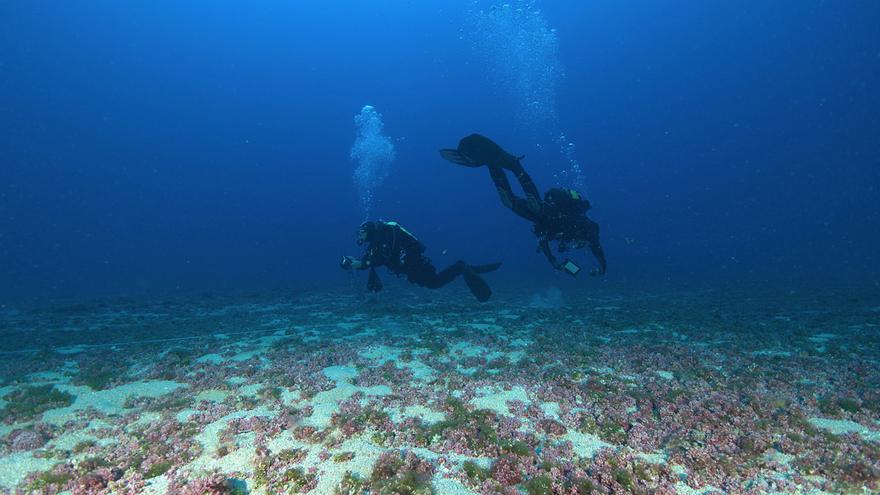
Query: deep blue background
x,y
153,146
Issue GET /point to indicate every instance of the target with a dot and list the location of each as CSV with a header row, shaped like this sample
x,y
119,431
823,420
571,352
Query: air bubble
x,y
373,151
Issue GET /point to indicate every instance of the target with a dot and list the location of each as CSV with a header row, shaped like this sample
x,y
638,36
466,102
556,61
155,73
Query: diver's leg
x,y
533,197
527,208
428,276
478,287
502,185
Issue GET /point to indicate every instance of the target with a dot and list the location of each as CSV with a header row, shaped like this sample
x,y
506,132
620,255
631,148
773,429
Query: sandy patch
x,y
212,395
771,353
340,373
496,400
211,359
842,427
449,486
466,349
421,412
209,437
326,403
365,455
657,457
585,444
551,409
157,486
665,375
108,401
15,467
380,353
70,439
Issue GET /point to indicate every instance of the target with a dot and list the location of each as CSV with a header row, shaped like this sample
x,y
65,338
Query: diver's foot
x,y
457,157
491,267
479,288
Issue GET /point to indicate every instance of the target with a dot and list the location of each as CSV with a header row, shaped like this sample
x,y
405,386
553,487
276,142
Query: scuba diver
x,y
392,246
560,216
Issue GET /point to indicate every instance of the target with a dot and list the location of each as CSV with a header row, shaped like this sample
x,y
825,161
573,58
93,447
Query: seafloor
x,y
618,391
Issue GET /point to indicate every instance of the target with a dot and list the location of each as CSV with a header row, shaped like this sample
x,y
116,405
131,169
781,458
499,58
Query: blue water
x,y
155,146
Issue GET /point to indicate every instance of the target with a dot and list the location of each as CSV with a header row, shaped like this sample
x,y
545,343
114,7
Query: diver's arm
x,y
591,235
599,254
544,244
352,263
410,244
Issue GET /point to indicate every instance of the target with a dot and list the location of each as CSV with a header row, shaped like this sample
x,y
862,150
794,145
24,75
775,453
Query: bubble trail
x,y
373,152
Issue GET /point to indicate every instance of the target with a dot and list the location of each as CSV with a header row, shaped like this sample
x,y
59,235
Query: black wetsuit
x,y
552,222
395,248
571,232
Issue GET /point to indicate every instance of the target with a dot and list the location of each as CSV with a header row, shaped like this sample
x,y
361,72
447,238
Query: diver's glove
x,y
347,263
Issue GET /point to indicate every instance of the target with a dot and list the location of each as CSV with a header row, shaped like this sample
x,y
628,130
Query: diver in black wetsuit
x,y
392,246
560,216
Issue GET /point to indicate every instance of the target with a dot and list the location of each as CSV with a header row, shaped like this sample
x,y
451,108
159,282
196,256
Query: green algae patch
x,y
157,469
539,485
478,423
343,457
34,400
44,482
351,484
397,477
96,377
475,472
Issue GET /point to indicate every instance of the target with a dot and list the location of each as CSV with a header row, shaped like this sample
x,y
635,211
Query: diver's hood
x,y
368,229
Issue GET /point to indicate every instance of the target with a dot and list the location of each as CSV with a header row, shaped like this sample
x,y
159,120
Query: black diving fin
x,y
479,288
373,282
455,156
491,267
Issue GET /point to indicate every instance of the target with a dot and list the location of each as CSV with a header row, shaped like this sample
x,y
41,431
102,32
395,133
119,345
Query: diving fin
x,y
373,282
491,267
479,288
455,156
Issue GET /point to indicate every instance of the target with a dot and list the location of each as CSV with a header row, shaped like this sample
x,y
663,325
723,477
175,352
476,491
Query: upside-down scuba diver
x,y
560,216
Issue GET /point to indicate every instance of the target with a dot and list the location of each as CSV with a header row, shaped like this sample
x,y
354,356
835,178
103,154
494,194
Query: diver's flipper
x,y
373,282
455,156
479,288
491,267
